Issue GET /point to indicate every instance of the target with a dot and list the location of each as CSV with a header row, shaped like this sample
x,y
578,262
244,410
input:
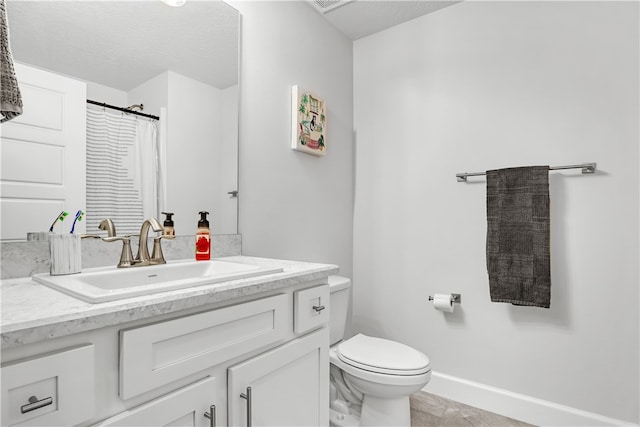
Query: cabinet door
x,y
289,385
184,407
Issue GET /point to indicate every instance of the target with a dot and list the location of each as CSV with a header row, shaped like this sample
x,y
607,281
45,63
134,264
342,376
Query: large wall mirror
x,y
180,63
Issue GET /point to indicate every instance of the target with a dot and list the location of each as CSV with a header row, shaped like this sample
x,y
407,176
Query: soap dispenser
x,y
203,238
168,224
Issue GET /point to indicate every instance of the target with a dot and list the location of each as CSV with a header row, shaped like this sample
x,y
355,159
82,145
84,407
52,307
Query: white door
x,y
42,155
289,385
184,407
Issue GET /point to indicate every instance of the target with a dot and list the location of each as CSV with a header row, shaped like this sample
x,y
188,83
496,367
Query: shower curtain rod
x,y
113,107
586,168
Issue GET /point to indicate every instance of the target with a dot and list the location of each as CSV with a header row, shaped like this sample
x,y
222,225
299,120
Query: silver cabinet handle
x,y
211,415
34,404
318,308
248,397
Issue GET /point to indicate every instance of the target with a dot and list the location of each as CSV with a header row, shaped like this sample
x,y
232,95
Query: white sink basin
x,y
96,285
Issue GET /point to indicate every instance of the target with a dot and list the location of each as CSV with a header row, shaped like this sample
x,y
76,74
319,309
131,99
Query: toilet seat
x,y
377,377
382,356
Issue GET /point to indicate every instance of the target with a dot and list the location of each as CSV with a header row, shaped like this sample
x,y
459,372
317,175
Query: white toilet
x,y
371,378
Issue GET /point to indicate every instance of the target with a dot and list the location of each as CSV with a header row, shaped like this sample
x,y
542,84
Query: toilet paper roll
x,y
443,302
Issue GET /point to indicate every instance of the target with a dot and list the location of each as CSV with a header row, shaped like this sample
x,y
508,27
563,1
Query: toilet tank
x,y
339,300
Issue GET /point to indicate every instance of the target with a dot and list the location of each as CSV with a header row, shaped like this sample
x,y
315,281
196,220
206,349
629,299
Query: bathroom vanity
x,y
252,351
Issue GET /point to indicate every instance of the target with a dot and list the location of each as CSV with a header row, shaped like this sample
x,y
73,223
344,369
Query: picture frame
x,y
309,122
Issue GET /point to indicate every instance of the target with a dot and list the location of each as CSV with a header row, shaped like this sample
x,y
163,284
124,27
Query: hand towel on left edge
x,y
10,98
518,227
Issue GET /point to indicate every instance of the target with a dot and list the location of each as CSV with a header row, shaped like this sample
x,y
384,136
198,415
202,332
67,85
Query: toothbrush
x,y
79,215
60,217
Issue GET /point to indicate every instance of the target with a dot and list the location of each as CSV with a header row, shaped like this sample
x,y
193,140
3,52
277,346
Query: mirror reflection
x,y
179,64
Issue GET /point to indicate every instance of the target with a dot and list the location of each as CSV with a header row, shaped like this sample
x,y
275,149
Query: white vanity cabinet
x,y
250,344
187,368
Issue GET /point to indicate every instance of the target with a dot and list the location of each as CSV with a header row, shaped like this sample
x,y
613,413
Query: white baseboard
x,y
513,405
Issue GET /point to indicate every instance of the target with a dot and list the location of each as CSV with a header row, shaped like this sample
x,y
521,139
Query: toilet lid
x,y
382,356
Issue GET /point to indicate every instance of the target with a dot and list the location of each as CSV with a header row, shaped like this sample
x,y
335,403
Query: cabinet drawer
x,y
311,308
155,355
185,407
50,390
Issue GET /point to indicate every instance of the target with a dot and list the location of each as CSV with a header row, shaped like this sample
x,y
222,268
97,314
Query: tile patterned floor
x,y
434,411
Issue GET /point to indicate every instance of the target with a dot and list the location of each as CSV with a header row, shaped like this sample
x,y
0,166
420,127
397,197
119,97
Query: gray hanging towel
x,y
10,98
518,255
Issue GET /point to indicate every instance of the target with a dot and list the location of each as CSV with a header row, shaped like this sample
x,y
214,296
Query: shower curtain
x,y
122,170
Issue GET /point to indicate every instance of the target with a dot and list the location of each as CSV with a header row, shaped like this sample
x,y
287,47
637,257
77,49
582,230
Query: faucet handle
x,y
157,257
126,256
118,238
115,238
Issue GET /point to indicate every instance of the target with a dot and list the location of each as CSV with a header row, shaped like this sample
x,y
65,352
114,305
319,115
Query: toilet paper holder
x,y
455,298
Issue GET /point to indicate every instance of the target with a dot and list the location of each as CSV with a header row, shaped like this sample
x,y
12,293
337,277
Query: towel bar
x,y
587,168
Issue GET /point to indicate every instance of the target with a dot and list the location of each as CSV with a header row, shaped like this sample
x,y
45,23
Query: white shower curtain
x,y
122,170
147,161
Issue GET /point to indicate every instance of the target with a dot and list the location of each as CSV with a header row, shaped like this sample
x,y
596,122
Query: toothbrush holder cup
x,y
65,254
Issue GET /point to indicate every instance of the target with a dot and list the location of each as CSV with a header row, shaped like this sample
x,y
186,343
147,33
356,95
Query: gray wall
x,y
294,205
483,85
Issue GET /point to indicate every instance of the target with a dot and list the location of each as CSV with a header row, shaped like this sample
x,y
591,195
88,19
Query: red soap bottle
x,y
203,238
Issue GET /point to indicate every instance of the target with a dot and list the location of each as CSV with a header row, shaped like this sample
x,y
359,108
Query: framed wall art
x,y
309,122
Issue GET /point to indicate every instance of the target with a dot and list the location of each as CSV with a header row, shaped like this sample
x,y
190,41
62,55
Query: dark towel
x,y
518,255
10,98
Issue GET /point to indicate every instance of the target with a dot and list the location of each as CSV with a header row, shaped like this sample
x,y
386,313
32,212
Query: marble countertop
x,y
32,312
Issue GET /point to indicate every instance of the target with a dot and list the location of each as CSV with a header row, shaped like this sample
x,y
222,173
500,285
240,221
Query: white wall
x,y
200,149
194,126
228,153
106,94
153,94
482,85
294,205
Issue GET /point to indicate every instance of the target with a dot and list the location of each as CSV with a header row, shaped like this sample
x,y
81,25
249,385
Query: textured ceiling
x,y
360,18
122,44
